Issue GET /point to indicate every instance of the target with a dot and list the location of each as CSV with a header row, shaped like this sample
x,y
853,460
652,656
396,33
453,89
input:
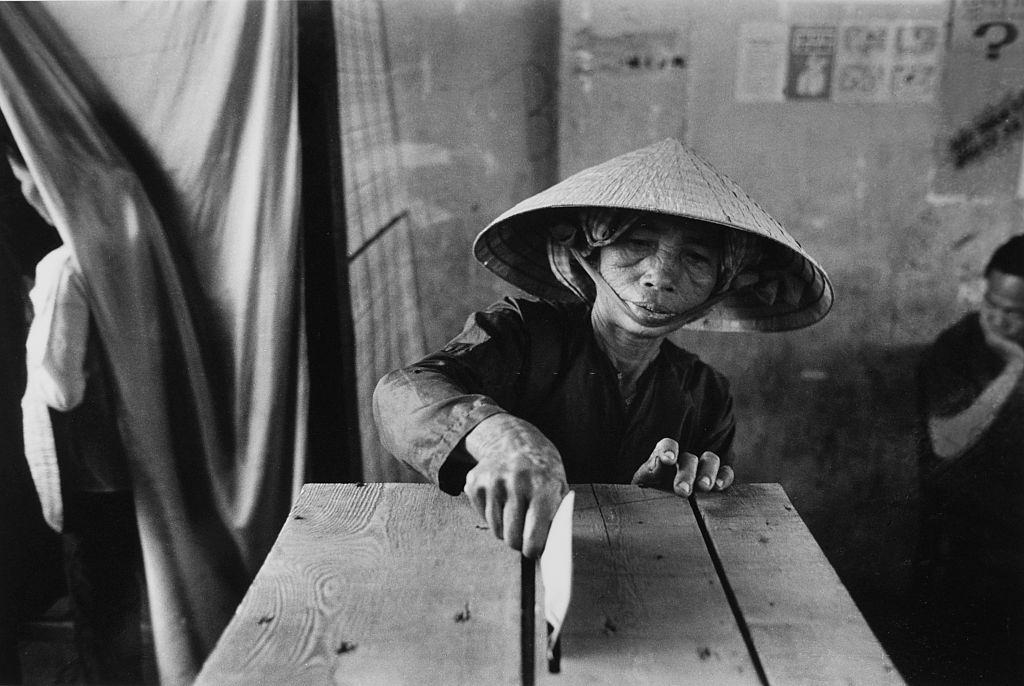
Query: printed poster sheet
x,y
870,61
761,62
917,53
812,52
989,25
982,101
864,59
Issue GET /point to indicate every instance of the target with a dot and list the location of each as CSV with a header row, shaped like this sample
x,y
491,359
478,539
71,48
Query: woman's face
x,y
660,270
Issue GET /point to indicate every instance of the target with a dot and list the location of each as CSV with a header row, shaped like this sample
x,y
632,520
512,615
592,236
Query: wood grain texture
x,y
804,625
377,584
647,606
401,584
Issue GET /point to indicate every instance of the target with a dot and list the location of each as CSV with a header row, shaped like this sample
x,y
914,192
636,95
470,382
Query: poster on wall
x,y
864,57
887,61
761,62
982,101
916,60
869,60
811,55
987,26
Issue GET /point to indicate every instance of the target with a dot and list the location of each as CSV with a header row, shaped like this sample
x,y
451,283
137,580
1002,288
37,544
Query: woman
x,y
583,386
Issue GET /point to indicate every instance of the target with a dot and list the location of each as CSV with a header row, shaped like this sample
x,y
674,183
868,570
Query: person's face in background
x,y
1003,306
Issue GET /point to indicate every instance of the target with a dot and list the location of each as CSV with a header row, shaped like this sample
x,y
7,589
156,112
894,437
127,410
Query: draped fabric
x,y
388,331
164,139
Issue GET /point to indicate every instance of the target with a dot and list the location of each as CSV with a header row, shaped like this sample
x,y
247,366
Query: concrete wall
x,y
829,411
475,88
492,107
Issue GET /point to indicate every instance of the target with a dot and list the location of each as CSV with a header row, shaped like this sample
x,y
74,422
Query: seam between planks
x,y
730,595
600,511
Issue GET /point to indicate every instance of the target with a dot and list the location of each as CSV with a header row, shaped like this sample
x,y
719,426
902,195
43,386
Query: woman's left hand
x,y
666,468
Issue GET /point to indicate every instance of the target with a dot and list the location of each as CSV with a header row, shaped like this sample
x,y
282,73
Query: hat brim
x,y
668,179
515,248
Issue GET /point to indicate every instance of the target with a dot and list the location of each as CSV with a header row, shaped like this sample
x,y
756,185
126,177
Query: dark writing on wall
x,y
651,52
989,130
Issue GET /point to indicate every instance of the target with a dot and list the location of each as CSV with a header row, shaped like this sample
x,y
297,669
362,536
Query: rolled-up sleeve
x,y
423,417
424,411
58,336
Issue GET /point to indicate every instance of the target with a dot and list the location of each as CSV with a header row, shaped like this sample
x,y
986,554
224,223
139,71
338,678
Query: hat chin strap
x,y
671,324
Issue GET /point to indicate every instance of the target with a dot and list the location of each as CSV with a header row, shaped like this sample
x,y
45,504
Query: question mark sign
x,y
1009,35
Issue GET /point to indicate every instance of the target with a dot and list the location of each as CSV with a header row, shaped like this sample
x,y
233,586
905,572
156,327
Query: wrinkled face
x,y
660,270
1003,307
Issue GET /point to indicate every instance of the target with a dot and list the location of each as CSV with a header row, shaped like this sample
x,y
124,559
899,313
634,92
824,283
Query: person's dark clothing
x,y
29,564
541,362
970,567
26,235
102,553
90,454
103,562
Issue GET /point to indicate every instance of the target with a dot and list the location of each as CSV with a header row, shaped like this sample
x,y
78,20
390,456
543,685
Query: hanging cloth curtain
x,y
388,330
164,139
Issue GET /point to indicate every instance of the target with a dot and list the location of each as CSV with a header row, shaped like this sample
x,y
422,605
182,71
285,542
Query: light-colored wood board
x,y
647,607
805,627
650,660
369,584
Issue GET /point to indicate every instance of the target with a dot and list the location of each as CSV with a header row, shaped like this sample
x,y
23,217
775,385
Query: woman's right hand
x,y
518,481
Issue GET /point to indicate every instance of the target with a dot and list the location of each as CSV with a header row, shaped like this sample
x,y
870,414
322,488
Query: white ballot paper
x,y
556,575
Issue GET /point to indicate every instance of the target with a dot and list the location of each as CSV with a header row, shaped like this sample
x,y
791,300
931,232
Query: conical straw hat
x,y
669,179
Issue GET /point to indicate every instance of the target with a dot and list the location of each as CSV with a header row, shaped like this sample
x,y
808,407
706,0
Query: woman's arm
x,y
445,416
423,415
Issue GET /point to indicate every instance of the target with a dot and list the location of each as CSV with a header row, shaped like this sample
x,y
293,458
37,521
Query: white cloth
x,y
41,454
56,344
164,140
55,359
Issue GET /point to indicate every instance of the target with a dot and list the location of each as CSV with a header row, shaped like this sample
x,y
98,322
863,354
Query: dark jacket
x,y
540,361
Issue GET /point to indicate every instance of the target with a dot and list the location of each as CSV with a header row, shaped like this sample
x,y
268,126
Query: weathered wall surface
x,y
475,96
495,101
829,411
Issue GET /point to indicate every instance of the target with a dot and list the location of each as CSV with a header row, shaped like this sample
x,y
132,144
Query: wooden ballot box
x,y
402,584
